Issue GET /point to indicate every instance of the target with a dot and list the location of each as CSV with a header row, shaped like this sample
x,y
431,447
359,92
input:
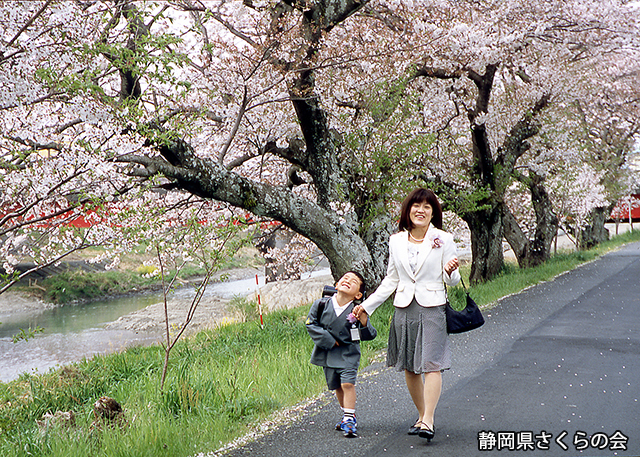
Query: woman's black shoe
x,y
427,432
415,429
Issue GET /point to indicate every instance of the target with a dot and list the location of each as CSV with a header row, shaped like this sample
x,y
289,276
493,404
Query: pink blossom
x,y
352,318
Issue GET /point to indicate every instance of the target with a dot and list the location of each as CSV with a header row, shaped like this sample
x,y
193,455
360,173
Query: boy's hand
x,y
361,314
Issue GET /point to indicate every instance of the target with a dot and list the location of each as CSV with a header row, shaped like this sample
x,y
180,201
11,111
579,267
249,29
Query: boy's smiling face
x,y
349,285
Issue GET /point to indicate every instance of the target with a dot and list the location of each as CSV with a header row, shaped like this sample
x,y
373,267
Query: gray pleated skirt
x,y
418,340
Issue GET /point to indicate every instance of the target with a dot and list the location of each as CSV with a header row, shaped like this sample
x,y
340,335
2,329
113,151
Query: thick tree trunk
x,y
516,238
376,238
595,233
486,243
485,224
532,252
546,222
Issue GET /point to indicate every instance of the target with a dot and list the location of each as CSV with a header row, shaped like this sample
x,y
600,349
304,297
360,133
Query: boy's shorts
x,y
337,376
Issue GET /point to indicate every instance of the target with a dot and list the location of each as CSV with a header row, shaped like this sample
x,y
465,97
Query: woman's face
x,y
420,214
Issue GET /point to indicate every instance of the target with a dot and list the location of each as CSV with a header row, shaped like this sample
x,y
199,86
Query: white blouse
x,y
414,250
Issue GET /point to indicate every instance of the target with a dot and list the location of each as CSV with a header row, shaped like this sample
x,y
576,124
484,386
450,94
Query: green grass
x,y
81,285
219,381
513,279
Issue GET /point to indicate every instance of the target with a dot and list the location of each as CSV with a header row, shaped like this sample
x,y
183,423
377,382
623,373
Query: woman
x,y
422,257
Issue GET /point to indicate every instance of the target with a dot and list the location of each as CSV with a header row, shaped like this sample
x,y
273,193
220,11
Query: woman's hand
x,y
451,266
359,312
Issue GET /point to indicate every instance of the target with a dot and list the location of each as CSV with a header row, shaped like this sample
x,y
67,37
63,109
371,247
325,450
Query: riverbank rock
x,y
20,302
151,319
212,310
107,412
292,293
64,419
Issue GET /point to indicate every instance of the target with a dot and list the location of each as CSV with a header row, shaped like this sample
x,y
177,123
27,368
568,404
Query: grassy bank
x,y
221,383
512,279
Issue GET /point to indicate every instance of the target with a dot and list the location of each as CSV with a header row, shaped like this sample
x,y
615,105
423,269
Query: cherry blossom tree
x,y
518,106
611,125
317,114
61,192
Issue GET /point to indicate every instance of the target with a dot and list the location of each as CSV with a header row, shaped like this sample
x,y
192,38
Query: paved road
x,y
555,367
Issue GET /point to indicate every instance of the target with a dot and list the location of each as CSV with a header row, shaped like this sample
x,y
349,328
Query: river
x,y
74,332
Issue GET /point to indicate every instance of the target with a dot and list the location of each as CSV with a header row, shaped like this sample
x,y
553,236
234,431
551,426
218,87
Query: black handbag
x,y
469,318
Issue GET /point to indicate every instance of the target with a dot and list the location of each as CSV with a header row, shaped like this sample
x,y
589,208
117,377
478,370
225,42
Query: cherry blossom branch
x,y
391,20
34,221
35,101
160,120
34,145
236,126
238,161
195,14
67,125
231,28
25,209
28,23
295,154
515,143
151,166
439,73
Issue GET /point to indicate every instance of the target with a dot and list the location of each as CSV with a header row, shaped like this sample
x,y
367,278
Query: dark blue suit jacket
x,y
327,328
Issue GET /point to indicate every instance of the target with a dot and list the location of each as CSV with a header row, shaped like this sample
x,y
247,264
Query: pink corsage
x,y
352,318
436,241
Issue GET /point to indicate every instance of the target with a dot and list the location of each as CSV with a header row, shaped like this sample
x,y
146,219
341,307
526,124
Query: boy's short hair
x,y
361,278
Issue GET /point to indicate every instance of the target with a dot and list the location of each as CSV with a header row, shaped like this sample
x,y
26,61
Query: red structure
x,y
45,220
621,211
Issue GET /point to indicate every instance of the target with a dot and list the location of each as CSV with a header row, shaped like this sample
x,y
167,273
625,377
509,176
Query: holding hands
x,y
361,314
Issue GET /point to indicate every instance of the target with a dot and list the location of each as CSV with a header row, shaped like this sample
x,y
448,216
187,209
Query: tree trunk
x,y
546,222
486,243
485,224
376,237
516,238
533,252
595,233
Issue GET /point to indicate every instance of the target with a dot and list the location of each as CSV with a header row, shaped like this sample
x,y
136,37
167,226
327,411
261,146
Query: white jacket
x,y
427,283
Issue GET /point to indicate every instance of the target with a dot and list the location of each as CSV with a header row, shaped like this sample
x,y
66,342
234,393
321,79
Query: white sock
x,y
349,414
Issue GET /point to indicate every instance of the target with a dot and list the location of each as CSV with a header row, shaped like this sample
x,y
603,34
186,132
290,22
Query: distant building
x,y
628,207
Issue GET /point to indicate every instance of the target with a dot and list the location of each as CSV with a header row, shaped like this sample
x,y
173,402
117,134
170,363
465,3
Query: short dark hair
x,y
420,195
361,278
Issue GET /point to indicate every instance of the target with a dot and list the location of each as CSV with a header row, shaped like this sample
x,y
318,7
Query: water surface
x,y
73,332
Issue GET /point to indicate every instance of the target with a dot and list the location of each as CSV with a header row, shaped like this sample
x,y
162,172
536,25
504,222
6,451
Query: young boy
x,y
336,333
